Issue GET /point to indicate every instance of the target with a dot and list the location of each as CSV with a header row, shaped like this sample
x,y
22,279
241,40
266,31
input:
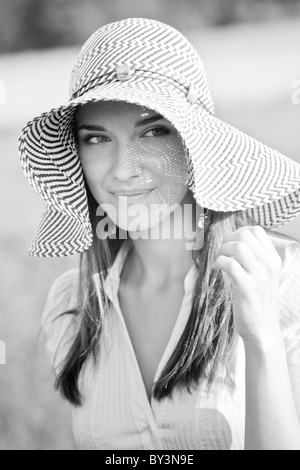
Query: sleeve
x,y
60,328
289,300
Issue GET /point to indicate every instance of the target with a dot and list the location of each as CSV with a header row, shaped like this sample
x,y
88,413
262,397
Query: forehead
x,y
112,109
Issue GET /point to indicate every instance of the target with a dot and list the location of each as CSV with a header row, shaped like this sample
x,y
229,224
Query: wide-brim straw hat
x,y
148,63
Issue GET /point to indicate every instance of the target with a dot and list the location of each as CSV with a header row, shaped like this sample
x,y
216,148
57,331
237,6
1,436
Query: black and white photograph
x,y
150,232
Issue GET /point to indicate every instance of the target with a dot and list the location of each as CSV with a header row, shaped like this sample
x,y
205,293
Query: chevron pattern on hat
x,y
147,46
60,235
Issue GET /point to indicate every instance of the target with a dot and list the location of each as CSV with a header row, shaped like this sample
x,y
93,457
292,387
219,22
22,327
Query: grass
x,y
32,416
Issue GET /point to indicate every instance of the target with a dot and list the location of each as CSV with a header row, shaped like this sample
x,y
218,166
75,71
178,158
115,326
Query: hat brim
x,y
232,171
60,235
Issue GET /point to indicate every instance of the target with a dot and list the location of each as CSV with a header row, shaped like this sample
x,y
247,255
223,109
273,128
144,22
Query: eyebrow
x,y
140,123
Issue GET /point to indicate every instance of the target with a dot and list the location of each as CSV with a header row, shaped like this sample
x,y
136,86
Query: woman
x,y
163,341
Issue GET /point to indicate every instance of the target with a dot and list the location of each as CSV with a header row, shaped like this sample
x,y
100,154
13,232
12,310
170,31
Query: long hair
x,y
208,338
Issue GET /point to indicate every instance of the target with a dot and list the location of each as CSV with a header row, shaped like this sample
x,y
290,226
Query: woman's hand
x,y
250,259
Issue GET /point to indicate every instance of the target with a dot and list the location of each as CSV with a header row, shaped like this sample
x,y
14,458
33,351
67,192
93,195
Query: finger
x,y
261,235
269,253
241,252
233,268
247,235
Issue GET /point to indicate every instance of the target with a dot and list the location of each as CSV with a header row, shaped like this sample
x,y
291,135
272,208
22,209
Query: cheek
x,y
175,165
94,171
168,160
93,167
173,171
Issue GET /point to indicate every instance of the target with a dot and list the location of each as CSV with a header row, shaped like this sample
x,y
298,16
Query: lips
x,y
132,197
137,192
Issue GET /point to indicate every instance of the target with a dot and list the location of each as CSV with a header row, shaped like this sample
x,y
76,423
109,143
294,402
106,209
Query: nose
x,y
128,161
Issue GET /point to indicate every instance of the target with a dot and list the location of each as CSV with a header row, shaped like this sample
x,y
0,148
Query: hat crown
x,y
147,47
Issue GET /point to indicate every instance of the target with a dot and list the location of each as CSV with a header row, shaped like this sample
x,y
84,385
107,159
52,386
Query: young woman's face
x,y
131,155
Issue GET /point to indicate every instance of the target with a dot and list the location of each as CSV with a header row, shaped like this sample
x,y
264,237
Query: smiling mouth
x,y
132,196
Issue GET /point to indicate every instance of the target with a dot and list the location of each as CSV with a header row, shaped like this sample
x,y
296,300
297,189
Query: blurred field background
x,y
251,55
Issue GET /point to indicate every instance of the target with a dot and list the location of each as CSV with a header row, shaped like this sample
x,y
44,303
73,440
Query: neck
x,y
157,262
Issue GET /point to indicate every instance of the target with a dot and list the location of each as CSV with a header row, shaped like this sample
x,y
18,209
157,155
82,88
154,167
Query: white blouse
x,y
116,413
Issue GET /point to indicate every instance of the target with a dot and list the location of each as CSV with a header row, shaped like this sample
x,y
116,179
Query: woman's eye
x,y
95,139
156,132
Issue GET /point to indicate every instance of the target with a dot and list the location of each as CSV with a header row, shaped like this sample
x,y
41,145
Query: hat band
x,y
137,75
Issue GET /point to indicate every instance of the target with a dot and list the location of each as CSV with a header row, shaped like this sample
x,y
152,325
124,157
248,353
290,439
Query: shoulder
x,y
63,294
289,288
59,319
65,285
67,277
